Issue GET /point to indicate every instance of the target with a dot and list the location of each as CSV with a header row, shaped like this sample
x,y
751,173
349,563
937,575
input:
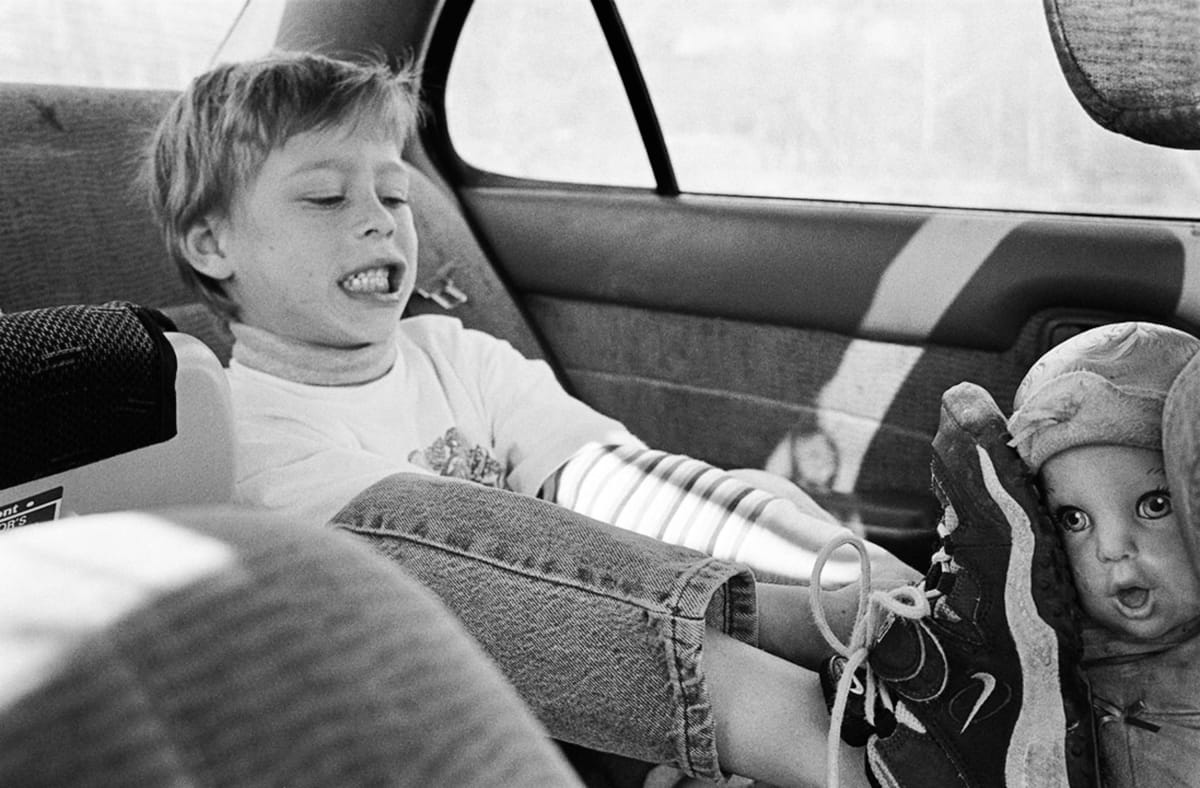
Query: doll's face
x,y
1126,546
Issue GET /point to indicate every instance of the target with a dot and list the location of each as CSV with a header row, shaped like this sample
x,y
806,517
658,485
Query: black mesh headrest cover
x,y
80,384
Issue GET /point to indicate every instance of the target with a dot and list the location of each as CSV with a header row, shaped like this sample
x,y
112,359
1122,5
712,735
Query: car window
x,y
533,92
917,102
129,43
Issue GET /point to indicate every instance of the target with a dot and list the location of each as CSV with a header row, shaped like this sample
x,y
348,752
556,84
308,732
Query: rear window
x,y
159,44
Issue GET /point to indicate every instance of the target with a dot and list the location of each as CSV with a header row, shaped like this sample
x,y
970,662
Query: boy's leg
x,y
601,630
217,647
771,718
983,671
620,643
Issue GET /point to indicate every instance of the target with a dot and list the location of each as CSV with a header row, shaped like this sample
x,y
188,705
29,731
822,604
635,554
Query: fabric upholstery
x,y
1135,67
220,647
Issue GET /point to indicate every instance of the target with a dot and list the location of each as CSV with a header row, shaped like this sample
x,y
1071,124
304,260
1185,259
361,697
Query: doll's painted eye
x,y
1154,505
1071,519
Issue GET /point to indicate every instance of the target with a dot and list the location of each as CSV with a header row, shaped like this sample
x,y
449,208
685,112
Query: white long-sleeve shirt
x,y
457,402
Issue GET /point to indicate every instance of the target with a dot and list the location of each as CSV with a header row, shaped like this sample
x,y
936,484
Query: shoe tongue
x,y
909,660
898,652
942,581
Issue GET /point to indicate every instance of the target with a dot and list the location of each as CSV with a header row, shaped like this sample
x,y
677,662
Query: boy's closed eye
x,y
391,195
325,201
394,200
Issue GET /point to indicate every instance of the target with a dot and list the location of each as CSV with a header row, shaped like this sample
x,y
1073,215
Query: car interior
x,y
812,337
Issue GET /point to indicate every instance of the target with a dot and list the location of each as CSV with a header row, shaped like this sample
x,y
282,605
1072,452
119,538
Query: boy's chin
x,y
362,335
363,340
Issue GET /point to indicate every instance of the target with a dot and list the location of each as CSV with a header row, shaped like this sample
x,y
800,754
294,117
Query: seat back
x,y
103,410
1134,67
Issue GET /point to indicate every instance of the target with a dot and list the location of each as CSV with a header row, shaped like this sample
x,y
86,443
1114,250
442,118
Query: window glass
x,y
533,92
918,102
129,43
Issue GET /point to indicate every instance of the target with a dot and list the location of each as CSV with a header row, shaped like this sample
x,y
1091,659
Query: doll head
x,y
1088,419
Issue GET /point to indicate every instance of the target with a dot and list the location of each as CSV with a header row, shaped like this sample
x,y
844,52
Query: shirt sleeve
x,y
536,425
687,502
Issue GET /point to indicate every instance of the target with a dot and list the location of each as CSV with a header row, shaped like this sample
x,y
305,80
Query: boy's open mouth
x,y
381,282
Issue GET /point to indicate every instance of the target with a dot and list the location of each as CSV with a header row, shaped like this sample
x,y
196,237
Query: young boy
x,y
1088,418
283,197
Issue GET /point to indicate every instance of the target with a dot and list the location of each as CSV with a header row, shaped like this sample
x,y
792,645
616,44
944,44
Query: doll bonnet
x,y
1106,386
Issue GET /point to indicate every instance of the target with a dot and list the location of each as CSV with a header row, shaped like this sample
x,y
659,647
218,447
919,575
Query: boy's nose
x,y
379,221
1114,540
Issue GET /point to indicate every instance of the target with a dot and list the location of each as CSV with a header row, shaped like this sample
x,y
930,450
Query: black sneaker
x,y
979,665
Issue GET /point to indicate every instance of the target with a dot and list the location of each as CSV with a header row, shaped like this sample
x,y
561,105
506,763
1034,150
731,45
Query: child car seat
x,y
104,408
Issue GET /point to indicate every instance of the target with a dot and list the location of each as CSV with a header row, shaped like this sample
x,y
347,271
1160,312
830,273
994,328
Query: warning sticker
x,y
41,508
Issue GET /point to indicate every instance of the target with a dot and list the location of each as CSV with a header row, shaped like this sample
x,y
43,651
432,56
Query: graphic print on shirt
x,y
451,455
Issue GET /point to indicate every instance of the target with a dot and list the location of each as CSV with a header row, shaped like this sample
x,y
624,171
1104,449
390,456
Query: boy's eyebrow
x,y
340,165
316,166
395,167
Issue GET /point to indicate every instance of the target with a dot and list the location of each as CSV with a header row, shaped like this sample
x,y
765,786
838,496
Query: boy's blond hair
x,y
218,132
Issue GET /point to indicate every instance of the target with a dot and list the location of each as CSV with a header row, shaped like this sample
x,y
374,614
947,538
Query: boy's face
x,y
320,243
1123,540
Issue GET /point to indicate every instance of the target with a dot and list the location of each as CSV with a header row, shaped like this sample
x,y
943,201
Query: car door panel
x,y
813,340
964,278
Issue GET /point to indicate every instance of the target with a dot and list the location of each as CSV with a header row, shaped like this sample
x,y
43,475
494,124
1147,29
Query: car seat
x,y
220,646
104,408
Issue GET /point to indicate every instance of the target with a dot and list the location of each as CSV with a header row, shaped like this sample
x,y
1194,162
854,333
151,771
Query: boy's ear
x,y
203,248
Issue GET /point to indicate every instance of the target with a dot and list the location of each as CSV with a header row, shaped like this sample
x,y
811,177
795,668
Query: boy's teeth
x,y
374,280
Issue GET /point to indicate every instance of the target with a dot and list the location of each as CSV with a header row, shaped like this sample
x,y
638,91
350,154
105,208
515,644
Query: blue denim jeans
x,y
599,629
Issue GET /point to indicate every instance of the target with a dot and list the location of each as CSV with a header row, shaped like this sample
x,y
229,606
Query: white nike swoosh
x,y
989,686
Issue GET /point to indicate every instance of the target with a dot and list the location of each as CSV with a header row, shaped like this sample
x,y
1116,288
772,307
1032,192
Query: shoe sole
x,y
1038,599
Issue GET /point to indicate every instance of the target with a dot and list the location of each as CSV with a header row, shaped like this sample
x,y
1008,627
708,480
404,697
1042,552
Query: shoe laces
x,y
875,609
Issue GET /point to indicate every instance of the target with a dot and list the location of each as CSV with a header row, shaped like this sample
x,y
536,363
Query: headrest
x,y
1135,67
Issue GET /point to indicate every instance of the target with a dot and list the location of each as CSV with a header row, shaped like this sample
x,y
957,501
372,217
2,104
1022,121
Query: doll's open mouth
x,y
379,282
1134,598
